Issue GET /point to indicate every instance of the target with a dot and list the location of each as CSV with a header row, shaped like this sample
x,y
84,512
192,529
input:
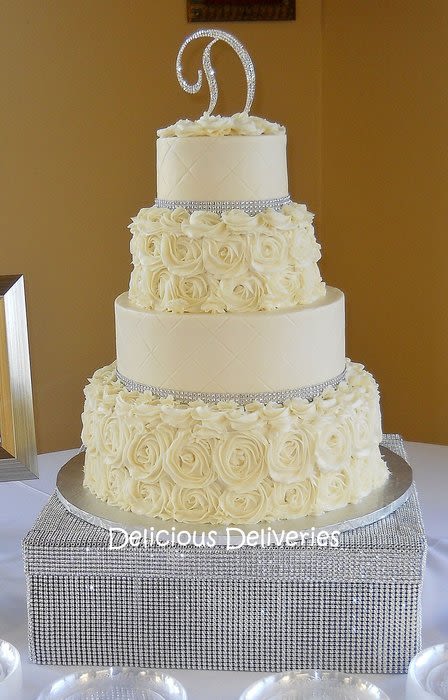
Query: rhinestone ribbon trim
x,y
250,207
305,392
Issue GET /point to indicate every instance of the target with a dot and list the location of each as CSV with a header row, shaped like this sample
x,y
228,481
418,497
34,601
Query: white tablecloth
x,y
20,502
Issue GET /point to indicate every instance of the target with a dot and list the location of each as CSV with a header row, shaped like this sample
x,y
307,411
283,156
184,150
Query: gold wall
x,y
361,88
385,198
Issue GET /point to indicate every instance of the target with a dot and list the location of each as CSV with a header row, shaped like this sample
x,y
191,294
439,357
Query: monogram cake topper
x,y
216,35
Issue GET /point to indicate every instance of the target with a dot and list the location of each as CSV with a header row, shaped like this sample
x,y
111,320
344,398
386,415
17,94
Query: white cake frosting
x,y
208,262
223,463
238,353
240,124
229,303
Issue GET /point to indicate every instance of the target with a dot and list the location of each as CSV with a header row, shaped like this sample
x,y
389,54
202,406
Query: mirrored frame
x,y
18,455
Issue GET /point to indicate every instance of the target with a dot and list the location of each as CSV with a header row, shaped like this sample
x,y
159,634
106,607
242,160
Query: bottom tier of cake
x,y
224,463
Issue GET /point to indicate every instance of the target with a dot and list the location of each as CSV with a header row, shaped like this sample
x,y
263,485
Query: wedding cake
x,y
231,400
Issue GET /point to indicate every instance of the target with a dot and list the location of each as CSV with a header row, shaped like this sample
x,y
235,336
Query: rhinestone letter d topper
x,y
216,35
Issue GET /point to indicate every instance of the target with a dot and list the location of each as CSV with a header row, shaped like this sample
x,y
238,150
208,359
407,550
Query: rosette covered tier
x,y
231,400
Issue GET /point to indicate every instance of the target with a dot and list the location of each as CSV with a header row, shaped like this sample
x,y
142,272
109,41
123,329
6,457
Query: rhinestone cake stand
x,y
354,608
380,503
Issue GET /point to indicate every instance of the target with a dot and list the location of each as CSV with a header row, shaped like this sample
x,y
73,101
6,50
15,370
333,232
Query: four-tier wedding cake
x,y
231,400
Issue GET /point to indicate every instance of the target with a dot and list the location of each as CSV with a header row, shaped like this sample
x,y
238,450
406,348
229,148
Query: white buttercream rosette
x,y
188,460
245,506
144,454
195,504
240,460
291,455
151,499
297,497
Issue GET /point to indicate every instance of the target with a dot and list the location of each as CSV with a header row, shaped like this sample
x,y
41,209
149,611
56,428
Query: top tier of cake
x,y
244,160
250,313
223,235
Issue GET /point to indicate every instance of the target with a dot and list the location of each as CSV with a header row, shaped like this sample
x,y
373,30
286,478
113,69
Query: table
x,y
20,502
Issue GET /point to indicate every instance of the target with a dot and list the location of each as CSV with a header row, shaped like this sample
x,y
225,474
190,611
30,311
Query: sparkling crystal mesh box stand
x,y
356,608
231,404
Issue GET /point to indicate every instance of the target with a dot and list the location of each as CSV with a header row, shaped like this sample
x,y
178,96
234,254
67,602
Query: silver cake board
x,y
354,608
382,502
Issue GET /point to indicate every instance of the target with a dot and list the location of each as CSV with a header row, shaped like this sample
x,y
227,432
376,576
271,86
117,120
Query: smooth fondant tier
x,y
211,263
222,168
199,463
236,353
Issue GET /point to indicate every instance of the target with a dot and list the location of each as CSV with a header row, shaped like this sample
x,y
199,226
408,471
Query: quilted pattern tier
x,y
222,168
239,353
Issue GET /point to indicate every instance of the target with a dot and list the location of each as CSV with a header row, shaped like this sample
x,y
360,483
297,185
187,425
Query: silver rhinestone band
x,y
305,392
250,207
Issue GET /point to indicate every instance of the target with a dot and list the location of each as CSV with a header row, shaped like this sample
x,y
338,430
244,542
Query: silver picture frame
x,y
18,455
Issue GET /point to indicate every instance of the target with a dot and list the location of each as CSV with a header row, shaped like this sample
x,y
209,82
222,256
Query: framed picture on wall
x,y
18,458
240,10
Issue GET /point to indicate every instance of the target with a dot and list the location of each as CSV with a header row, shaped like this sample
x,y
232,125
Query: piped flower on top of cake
x,y
240,124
